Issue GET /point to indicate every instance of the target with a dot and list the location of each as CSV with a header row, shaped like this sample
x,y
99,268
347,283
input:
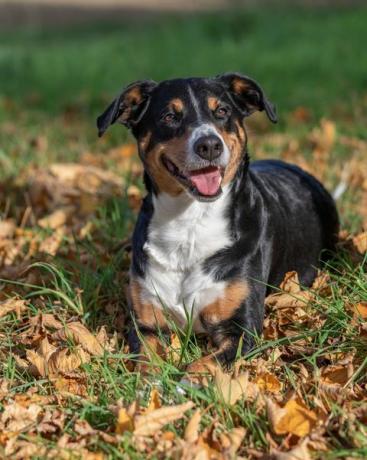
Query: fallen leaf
x,y
268,382
125,421
79,334
75,386
154,401
51,244
233,441
360,242
13,304
232,389
361,309
57,218
290,283
18,418
7,228
146,425
192,428
294,417
336,375
299,452
134,197
64,361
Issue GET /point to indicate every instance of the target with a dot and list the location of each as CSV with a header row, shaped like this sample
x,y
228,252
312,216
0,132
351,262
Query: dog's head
x,y
190,132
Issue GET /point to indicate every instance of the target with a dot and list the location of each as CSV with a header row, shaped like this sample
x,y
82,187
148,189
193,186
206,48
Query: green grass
x,y
55,82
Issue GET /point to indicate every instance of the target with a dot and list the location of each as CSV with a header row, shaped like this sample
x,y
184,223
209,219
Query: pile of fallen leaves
x,y
303,402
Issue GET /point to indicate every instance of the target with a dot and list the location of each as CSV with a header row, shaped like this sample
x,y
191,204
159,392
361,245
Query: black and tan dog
x,y
214,232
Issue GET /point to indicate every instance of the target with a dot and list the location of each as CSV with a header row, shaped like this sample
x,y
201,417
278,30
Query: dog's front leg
x,y
232,323
150,325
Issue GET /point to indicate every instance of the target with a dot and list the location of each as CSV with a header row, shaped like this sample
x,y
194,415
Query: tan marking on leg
x,y
224,307
147,314
176,105
213,103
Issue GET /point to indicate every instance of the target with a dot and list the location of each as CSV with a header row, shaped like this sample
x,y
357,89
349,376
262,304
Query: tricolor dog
x,y
215,231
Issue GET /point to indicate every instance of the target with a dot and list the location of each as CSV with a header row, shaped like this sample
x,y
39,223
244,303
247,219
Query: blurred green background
x,y
61,65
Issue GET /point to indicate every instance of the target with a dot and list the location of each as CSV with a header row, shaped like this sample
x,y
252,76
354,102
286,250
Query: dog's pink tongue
x,y
207,180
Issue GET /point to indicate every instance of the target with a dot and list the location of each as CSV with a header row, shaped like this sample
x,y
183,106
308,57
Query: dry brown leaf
x,y
336,375
360,242
79,334
38,364
232,389
7,228
294,418
147,425
51,244
192,428
13,304
268,382
75,386
134,197
57,218
285,300
299,452
235,438
18,418
290,283
64,361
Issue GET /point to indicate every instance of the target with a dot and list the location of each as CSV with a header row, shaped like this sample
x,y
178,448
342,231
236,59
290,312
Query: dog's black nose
x,y
208,147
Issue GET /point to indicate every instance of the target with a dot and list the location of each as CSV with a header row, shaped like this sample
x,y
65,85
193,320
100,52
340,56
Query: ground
x,y
68,202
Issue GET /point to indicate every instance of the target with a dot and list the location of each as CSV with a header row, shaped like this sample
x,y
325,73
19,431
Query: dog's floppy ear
x,y
129,107
247,95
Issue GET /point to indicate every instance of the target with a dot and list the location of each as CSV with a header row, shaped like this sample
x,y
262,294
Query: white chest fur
x,y
182,234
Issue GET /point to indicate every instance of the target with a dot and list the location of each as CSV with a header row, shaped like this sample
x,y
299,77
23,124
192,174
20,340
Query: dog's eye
x,y
222,112
169,117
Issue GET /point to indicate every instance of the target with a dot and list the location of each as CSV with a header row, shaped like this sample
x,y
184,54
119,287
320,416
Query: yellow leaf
x,y
294,418
268,382
192,428
154,401
147,425
361,309
175,348
124,422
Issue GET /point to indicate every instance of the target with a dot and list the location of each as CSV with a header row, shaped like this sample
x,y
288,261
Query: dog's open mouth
x,y
204,182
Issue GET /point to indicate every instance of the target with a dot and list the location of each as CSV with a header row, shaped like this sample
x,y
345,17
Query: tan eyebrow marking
x,y
176,104
239,85
213,103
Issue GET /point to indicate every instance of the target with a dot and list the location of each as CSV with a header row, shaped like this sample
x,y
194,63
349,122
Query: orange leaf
x,y
268,382
294,418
